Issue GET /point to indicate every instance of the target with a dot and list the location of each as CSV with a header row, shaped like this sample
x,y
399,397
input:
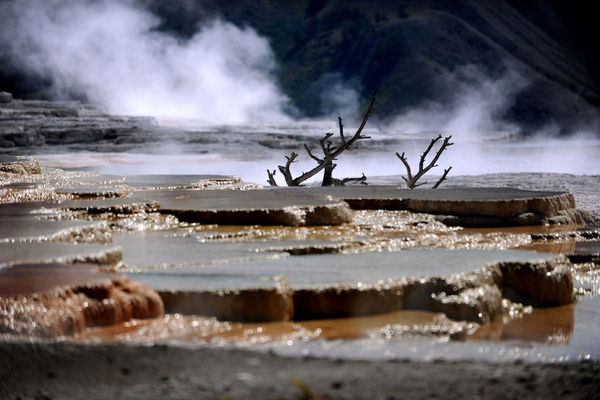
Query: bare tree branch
x,y
325,143
427,150
311,155
411,181
271,179
330,153
406,165
341,130
285,170
342,182
443,178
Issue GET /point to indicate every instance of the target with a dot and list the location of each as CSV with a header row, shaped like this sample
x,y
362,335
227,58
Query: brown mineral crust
x,y
109,257
252,305
480,305
120,301
497,208
339,302
573,216
330,214
551,205
99,208
525,219
542,285
475,297
26,167
548,204
32,309
107,194
552,208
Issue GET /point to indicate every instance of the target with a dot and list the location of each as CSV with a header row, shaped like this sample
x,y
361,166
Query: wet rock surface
x,y
19,166
44,252
239,269
29,124
50,300
362,284
307,271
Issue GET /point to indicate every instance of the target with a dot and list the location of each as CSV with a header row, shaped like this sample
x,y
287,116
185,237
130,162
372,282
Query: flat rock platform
x,y
463,284
325,205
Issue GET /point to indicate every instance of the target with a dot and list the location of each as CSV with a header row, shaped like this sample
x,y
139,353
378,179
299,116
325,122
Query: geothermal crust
x,y
68,304
469,296
472,296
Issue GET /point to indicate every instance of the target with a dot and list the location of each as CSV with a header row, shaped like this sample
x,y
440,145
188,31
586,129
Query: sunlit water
x,y
496,159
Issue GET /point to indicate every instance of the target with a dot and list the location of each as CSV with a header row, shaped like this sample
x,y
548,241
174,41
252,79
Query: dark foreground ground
x,y
105,371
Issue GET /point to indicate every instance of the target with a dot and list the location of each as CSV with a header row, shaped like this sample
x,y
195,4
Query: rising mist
x,y
111,53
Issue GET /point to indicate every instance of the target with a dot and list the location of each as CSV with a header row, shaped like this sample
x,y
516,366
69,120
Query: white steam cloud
x,y
475,110
339,96
111,52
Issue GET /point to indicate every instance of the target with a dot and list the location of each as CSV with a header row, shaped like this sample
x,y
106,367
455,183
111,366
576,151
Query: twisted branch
x,y
443,178
341,130
271,179
329,153
285,169
411,181
342,182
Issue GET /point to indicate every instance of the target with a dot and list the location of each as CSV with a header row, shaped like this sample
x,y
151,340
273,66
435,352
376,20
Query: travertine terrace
x,y
176,284
216,247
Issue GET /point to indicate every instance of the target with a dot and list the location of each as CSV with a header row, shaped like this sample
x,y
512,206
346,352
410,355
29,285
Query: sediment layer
x,y
47,301
252,305
468,206
475,296
330,214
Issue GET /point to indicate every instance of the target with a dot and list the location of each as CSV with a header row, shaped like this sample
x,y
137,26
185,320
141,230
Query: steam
x,y
112,53
339,96
477,107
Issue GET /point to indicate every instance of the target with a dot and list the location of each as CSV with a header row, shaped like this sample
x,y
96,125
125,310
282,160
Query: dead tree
x,y
271,179
326,162
411,180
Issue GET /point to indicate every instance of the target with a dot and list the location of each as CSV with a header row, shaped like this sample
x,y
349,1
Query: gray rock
x,y
5,97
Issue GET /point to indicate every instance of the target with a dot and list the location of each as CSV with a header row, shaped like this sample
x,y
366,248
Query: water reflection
x,y
545,325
